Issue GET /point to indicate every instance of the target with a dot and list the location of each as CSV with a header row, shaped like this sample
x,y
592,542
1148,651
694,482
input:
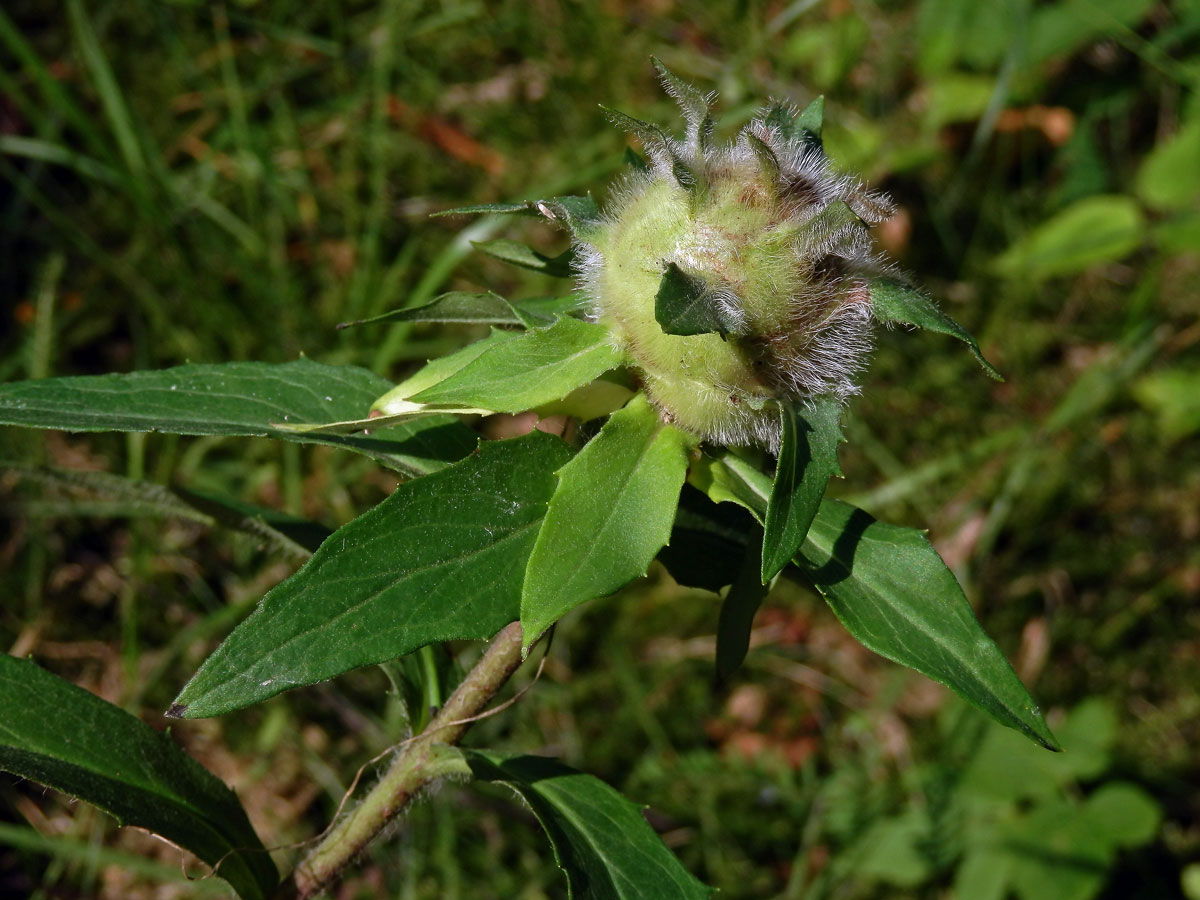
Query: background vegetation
x,y
205,182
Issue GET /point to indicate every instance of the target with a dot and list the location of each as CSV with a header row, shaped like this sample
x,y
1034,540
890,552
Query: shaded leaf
x,y
236,399
708,542
745,596
807,460
600,839
610,515
442,558
685,304
517,254
130,497
127,769
894,301
529,370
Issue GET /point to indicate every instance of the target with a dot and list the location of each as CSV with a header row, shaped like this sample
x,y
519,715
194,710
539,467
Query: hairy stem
x,y
427,757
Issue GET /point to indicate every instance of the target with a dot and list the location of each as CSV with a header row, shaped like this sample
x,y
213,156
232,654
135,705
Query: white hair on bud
x,y
804,329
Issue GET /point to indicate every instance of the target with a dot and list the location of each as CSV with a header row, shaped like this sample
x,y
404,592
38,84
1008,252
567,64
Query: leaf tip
x,y
177,711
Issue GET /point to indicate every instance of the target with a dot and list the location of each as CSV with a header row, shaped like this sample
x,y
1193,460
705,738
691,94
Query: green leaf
x,y
480,209
686,305
610,515
455,307
397,400
62,736
579,214
745,596
893,592
236,399
1169,178
812,118
441,559
1174,396
894,301
708,542
804,126
122,496
517,254
530,369
600,839
1093,230
807,460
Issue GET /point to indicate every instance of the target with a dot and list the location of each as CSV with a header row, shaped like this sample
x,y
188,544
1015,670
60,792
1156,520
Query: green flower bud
x,y
735,274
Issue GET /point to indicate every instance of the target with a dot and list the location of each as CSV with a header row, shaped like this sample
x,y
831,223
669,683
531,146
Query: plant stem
x,y
425,758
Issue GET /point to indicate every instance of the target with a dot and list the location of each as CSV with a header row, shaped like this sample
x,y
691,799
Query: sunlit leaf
x,y
807,460
235,399
610,515
443,558
529,370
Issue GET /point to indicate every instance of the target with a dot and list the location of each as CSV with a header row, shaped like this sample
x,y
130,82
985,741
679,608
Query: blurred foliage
x,y
193,181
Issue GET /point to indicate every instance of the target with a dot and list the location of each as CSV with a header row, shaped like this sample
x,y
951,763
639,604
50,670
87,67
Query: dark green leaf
x,y
804,126
600,839
738,608
518,254
812,118
635,161
443,558
807,460
611,513
60,735
686,305
892,591
236,399
529,370
708,542
894,301
122,496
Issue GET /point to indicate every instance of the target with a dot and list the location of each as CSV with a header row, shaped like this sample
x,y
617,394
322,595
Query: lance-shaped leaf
x,y
236,399
441,559
745,595
580,214
807,460
600,839
893,592
116,495
804,126
60,735
611,513
894,301
529,370
523,256
455,307
686,304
